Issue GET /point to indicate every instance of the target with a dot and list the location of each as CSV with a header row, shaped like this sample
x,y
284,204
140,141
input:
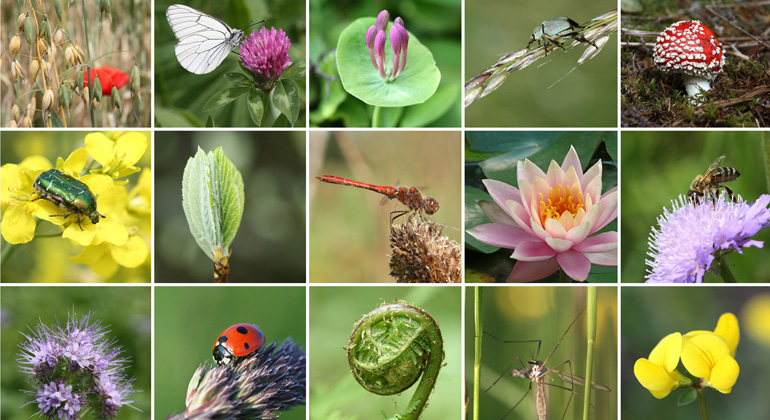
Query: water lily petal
x,y
495,213
555,174
567,220
571,178
578,233
606,259
519,216
574,264
528,171
526,198
602,242
609,209
533,251
593,172
525,271
559,245
497,234
592,216
572,160
502,192
555,229
594,190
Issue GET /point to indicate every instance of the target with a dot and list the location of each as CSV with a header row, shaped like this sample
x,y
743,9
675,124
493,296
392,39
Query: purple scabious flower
x,y
75,367
266,54
690,236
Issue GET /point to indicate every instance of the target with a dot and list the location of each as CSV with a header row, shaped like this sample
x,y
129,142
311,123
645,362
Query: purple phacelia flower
x,y
266,54
75,367
690,236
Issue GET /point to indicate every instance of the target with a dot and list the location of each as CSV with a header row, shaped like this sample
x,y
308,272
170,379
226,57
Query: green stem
x,y
724,269
88,66
477,360
391,347
8,250
591,337
702,402
766,150
376,117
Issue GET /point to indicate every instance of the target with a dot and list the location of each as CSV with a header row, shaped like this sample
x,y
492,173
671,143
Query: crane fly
x,y
536,371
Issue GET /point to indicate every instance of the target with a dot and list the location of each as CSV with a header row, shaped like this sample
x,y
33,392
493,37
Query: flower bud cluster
x,y
399,40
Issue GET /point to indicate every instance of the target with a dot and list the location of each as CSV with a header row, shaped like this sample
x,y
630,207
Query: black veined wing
x,y
204,41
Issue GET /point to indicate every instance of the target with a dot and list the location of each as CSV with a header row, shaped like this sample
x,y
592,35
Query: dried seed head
x,y
31,107
58,37
422,255
16,70
47,102
26,122
34,69
16,112
14,46
85,96
81,58
69,56
20,21
42,49
79,81
12,124
135,82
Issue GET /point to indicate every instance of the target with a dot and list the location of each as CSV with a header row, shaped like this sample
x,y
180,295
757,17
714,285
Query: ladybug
x,y
236,343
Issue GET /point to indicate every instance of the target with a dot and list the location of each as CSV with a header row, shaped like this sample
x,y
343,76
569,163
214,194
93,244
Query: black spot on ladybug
x,y
246,345
242,330
222,339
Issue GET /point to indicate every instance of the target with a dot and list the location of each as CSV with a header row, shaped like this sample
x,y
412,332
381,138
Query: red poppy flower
x,y
108,76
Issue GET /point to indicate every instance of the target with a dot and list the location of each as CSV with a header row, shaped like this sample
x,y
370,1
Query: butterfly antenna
x,y
254,23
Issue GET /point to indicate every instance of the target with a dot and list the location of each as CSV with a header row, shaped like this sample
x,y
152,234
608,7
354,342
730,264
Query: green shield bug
x,y
68,193
556,31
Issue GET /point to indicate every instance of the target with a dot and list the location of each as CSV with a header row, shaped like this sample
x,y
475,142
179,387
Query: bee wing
x,y
714,165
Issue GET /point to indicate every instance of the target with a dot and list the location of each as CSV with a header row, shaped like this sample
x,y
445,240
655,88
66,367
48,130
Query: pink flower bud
x,y
370,33
382,20
379,50
395,41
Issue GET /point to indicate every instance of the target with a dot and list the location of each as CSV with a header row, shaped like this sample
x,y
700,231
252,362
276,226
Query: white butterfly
x,y
204,41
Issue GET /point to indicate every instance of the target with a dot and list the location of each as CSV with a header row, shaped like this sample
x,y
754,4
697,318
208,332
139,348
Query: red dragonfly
x,y
411,197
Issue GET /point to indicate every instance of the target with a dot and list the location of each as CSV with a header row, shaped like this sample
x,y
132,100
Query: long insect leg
x,y
518,402
539,342
562,337
506,371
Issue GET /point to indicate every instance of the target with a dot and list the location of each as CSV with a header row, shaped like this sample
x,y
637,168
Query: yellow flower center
x,y
561,200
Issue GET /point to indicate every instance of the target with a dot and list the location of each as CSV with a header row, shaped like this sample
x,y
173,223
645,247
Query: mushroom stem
x,y
696,85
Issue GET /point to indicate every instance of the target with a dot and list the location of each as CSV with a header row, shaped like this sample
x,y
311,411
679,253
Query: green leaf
x,y
425,113
285,98
687,397
237,78
389,117
331,92
256,105
55,120
414,85
295,71
172,117
224,97
213,199
474,217
210,121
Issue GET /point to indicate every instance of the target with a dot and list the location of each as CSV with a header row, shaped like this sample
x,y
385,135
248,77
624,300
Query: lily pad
x,y
414,85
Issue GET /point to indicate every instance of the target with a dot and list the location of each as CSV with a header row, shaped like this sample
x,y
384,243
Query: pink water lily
x,y
548,221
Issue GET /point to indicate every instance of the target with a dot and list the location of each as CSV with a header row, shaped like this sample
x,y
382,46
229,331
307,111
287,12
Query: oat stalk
x,y
597,31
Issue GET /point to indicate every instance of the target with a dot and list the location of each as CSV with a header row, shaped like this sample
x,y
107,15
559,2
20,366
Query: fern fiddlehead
x,y
391,347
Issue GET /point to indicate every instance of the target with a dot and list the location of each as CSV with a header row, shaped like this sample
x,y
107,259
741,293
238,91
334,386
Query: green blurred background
x,y
349,227
436,23
270,244
651,313
334,392
495,155
658,166
48,259
125,311
180,95
189,319
586,98
541,313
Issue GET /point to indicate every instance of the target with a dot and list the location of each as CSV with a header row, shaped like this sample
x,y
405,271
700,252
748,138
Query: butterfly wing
x,y
204,41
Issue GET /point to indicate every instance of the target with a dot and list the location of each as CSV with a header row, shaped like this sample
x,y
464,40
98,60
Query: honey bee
x,y
708,184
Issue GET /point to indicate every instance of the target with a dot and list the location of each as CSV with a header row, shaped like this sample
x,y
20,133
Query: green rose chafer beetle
x,y
556,31
68,193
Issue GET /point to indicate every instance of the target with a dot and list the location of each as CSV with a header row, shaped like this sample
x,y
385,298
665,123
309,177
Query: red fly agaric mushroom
x,y
690,48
